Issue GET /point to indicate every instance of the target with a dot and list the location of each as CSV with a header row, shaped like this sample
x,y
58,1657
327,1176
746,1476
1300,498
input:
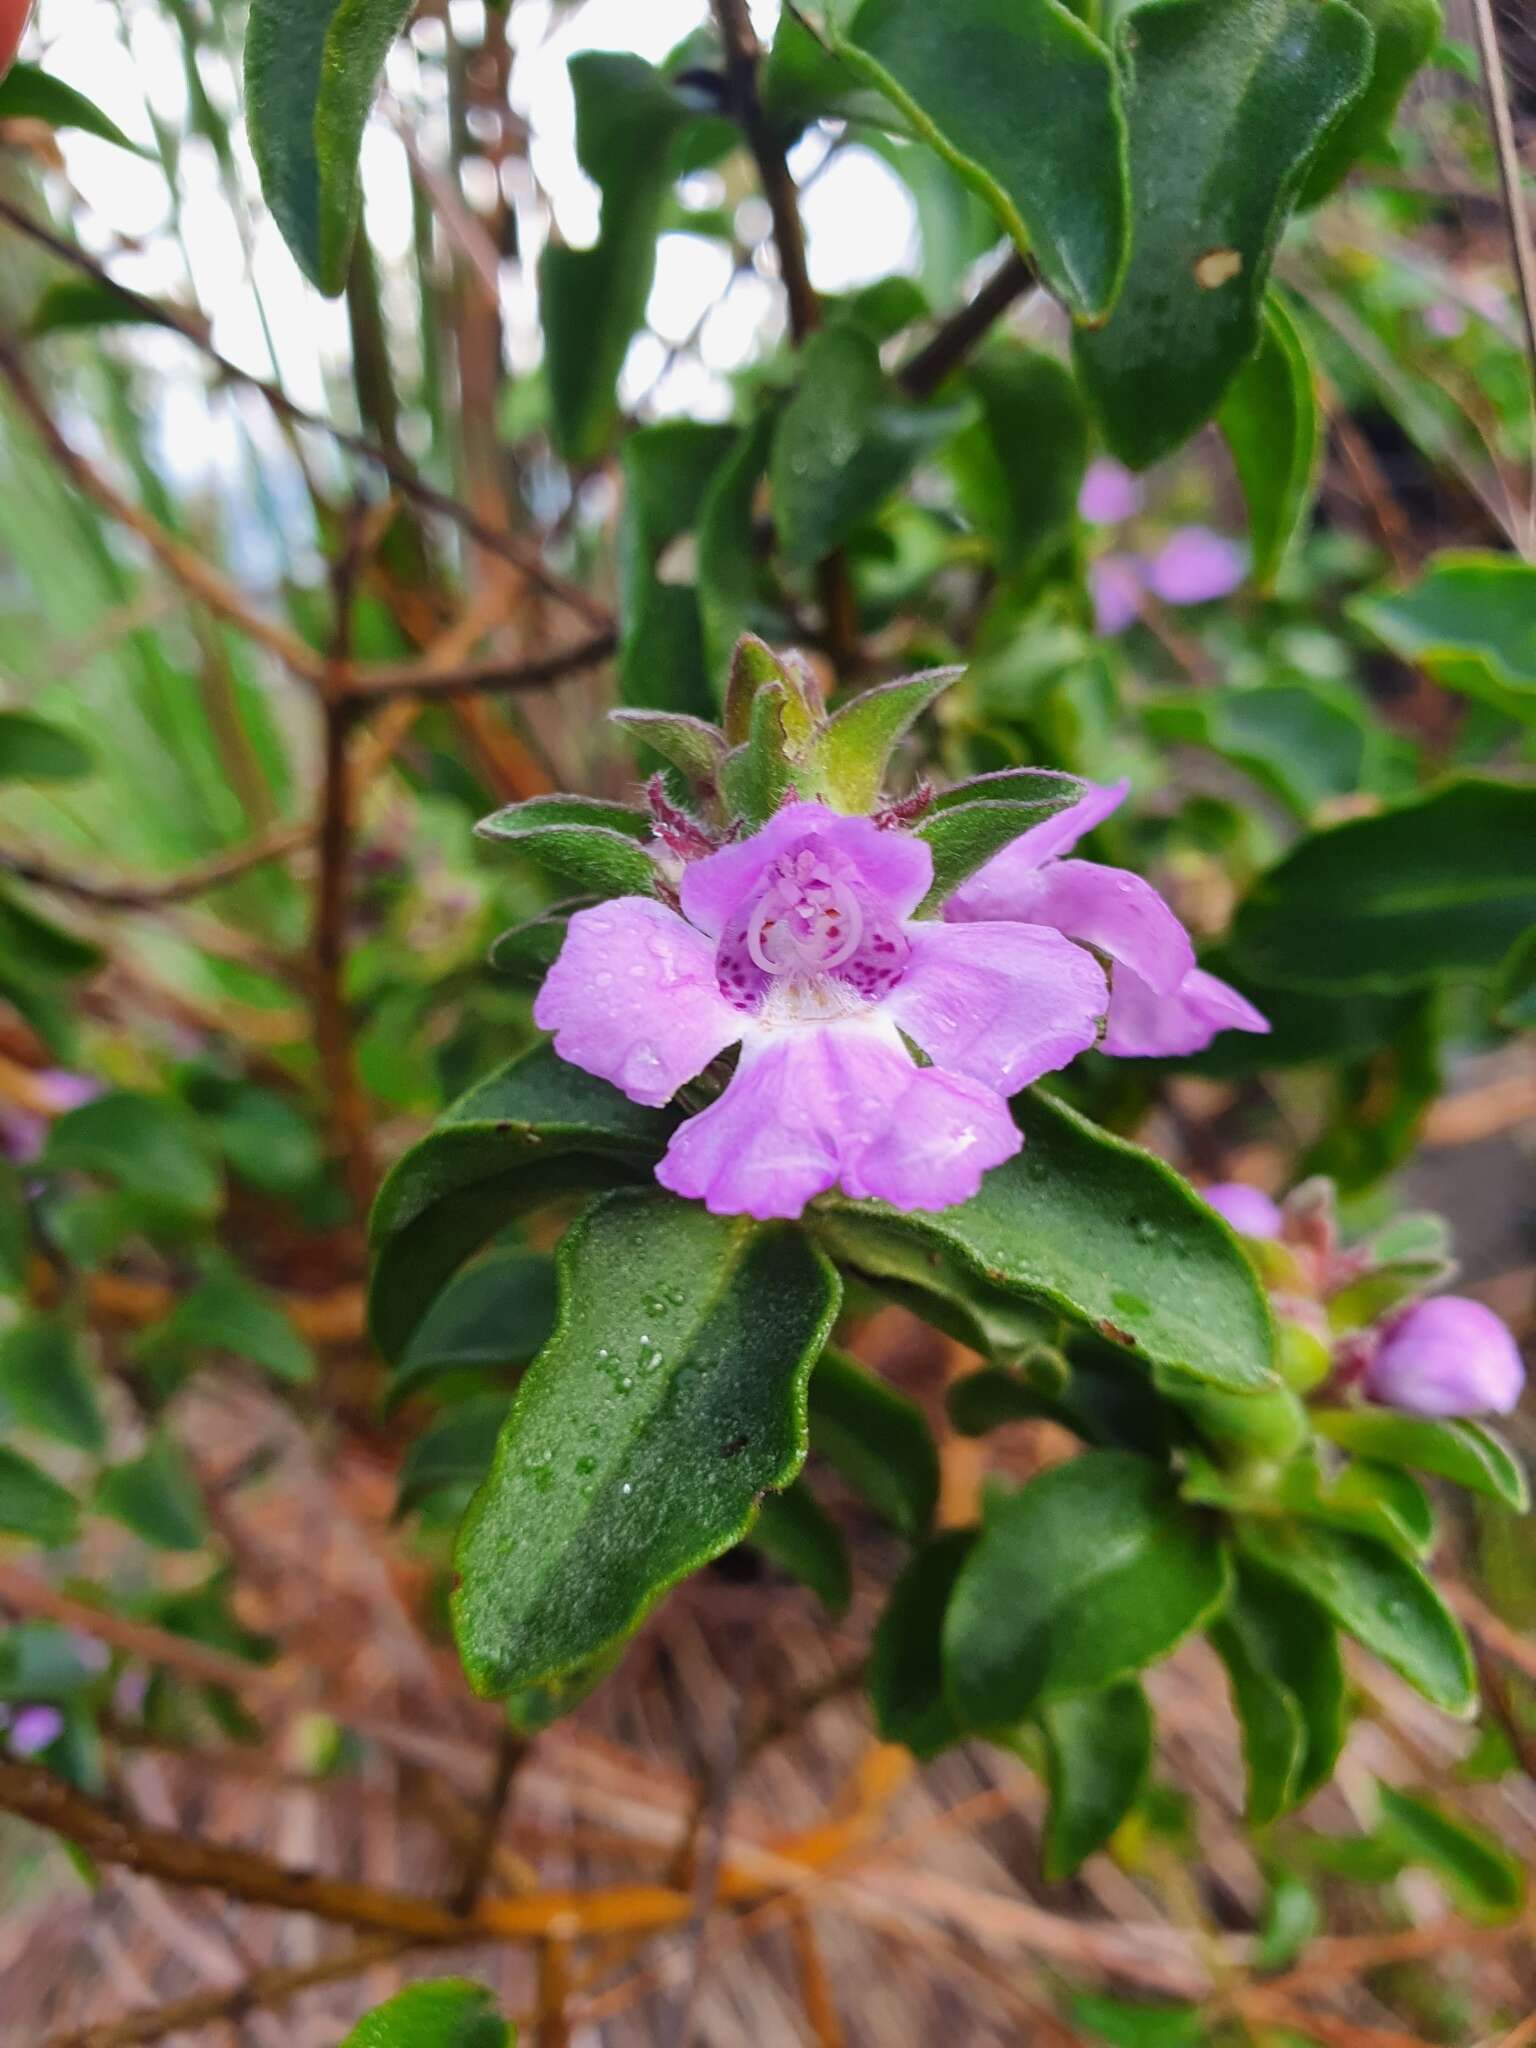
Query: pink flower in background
x,y
1444,320
1109,493
1250,1211
1446,1357
1116,585
33,1729
1161,1003
1195,565
800,945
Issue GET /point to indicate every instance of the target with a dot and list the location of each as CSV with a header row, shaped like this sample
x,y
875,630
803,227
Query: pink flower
x,y
1115,583
1161,1004
1250,1212
800,944
1194,565
1109,494
1449,1356
33,1729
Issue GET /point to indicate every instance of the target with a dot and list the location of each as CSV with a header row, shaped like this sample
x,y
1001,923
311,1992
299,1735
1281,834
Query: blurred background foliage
x,y
560,438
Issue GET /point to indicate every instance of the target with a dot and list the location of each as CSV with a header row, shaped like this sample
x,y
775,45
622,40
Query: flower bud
x,y
1250,1212
13,19
34,1729
1448,1356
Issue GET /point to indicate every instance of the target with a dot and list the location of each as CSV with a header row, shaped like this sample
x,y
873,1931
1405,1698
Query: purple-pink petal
x,y
633,998
1116,584
989,892
1003,1003
894,866
1446,1357
1110,908
1195,565
1109,493
945,1132
34,1729
1145,1025
808,1109
1250,1211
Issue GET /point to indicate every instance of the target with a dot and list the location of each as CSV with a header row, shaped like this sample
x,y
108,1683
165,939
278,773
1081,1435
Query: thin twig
x,y
260,1992
208,874
1512,184
495,672
396,467
922,374
510,1752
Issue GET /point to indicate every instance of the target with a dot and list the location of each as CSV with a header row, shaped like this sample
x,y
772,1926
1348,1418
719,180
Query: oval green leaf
x,y
1079,1579
672,1393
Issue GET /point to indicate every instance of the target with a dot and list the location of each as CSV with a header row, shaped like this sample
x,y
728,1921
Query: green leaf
x,y
1273,427
1020,468
453,1453
534,1128
449,2013
1268,1720
848,759
527,952
496,1314
1435,888
906,1674
671,1394
31,1504
27,94
690,744
151,1147
877,1439
1094,1229
1514,997
75,304
14,1231
1292,1916
629,124
267,1141
1209,196
312,68
1470,621
593,846
1082,1577
1378,1597
1283,1644
963,836
1481,1874
155,1496
1019,97
795,1532
36,750
1305,741
1125,2025
668,471
1097,1399
1406,32
761,773
1098,1752
843,443
46,1384
228,1313
1464,1452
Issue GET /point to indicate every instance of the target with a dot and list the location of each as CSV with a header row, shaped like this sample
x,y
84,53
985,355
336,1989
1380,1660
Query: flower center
x,y
807,921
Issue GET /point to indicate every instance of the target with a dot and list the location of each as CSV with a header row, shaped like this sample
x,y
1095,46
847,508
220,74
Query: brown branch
x,y
510,1753
174,1857
259,1992
181,562
922,374
495,672
1511,177
35,1599
212,873
395,466
742,53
